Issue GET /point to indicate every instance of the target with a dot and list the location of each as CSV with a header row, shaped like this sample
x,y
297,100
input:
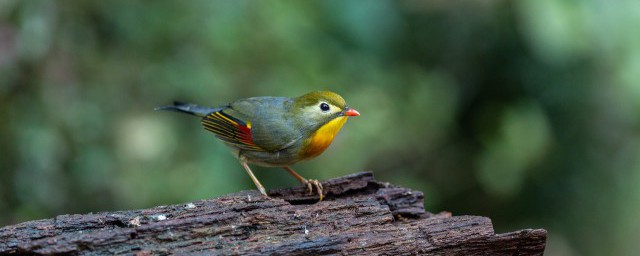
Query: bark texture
x,y
359,216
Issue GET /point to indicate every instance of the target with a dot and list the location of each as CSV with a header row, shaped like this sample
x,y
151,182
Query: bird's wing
x,y
272,126
231,130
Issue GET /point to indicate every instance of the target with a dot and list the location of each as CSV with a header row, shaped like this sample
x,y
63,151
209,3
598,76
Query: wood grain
x,y
360,216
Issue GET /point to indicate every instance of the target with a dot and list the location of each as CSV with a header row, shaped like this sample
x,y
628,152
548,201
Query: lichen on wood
x,y
359,216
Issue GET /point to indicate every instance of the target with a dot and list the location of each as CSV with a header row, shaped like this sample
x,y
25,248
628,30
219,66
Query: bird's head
x,y
321,107
320,115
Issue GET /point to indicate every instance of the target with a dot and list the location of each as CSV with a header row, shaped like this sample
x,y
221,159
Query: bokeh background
x,y
524,111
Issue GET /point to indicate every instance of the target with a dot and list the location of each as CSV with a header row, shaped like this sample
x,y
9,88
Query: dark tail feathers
x,y
189,108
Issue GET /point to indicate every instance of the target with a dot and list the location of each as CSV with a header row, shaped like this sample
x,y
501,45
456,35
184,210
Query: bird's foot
x,y
263,191
314,183
309,183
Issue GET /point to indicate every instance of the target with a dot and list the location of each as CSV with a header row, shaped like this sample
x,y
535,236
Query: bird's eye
x,y
324,107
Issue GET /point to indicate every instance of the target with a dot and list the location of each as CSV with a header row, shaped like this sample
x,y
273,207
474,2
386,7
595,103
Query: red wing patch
x,y
230,130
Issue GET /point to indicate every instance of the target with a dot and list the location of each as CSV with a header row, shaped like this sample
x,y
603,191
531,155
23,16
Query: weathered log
x,y
358,216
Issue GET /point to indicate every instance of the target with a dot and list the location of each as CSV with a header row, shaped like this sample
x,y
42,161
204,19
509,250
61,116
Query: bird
x,y
275,131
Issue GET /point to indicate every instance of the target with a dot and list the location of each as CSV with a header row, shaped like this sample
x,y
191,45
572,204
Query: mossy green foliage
x,y
523,111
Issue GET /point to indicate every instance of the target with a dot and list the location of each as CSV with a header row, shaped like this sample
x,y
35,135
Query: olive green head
x,y
320,107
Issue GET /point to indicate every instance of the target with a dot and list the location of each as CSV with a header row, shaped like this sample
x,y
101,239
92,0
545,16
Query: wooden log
x,y
359,216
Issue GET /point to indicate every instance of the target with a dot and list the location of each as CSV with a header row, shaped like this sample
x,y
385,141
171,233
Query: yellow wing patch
x,y
230,130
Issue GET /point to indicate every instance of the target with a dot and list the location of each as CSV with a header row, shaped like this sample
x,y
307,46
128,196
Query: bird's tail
x,y
189,108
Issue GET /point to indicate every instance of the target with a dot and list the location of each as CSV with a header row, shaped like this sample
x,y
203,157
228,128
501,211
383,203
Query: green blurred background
x,y
524,111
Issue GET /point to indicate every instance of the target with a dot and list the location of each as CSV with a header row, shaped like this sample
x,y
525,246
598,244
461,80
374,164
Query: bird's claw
x,y
315,183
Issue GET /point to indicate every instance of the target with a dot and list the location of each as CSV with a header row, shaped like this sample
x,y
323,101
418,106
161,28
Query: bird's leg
x,y
253,177
310,183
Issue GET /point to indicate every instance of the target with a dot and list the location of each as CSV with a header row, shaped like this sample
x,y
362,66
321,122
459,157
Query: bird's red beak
x,y
351,112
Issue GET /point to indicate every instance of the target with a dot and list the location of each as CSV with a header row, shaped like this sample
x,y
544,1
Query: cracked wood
x,y
359,216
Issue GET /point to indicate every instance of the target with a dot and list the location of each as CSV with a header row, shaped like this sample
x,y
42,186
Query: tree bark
x,y
359,216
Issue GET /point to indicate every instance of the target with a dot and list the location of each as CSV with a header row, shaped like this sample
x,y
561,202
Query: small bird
x,y
275,131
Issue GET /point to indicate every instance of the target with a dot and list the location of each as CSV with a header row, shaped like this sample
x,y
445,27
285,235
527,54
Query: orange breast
x,y
322,138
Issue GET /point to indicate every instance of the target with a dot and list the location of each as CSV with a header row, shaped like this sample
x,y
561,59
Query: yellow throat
x,y
322,138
